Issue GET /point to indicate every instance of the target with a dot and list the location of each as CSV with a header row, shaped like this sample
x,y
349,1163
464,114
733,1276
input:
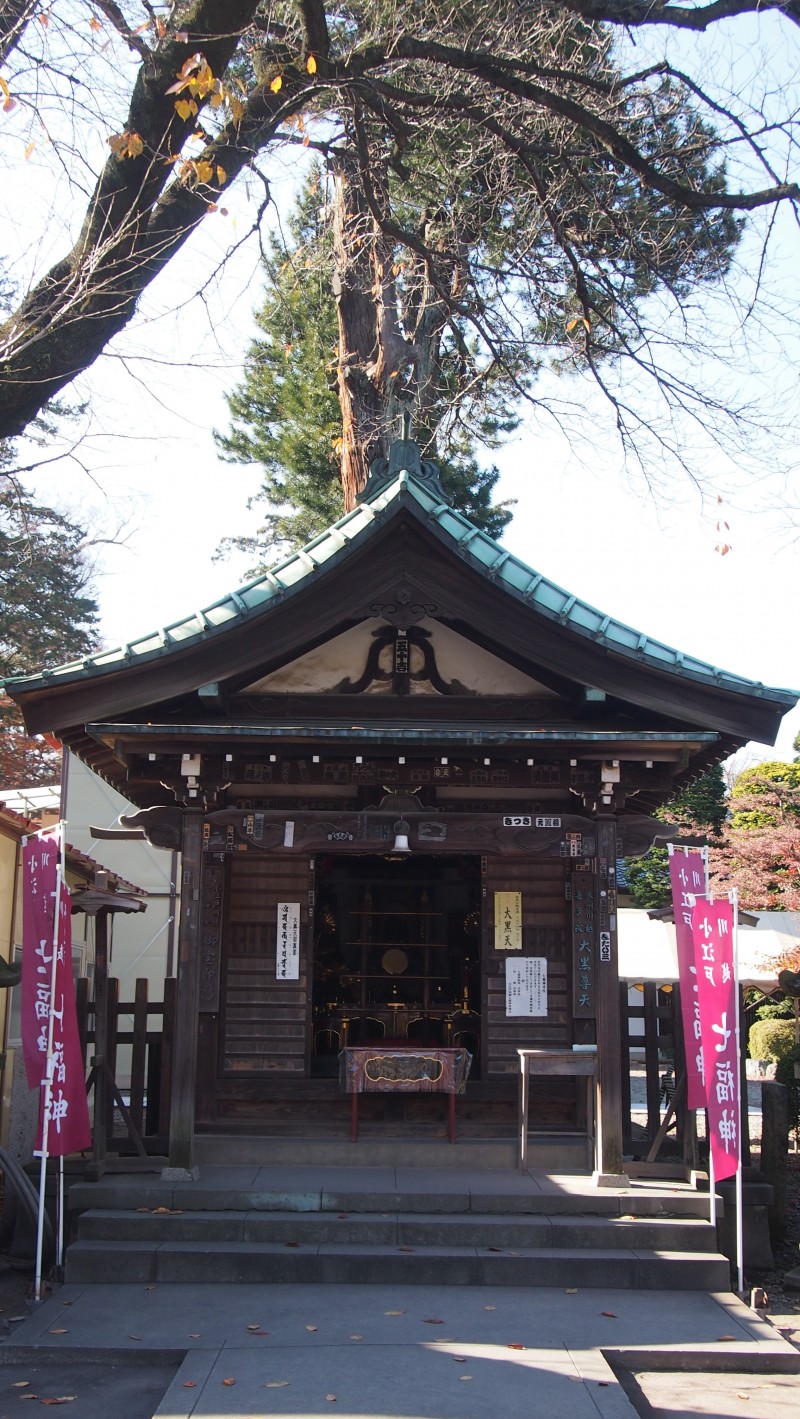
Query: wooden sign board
x,y
526,985
287,954
508,921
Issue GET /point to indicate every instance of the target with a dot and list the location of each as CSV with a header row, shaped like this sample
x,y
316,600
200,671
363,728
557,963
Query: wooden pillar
x,y
100,1056
184,1062
610,1164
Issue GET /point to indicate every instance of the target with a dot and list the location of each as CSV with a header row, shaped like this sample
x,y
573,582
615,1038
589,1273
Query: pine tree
x,y
286,416
47,614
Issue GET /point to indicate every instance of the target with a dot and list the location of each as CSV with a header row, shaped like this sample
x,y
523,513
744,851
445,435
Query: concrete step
x,y
512,1195
227,1262
435,1229
558,1152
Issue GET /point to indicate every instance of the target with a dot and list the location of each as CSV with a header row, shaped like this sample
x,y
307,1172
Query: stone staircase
x,y
392,1226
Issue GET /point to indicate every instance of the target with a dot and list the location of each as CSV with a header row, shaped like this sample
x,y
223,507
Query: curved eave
x,y
127,677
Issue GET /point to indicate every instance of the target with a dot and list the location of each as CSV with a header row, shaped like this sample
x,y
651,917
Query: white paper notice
x,y
526,985
287,956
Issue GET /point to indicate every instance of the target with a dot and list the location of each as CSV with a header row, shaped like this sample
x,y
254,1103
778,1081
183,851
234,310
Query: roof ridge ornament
x,y
404,457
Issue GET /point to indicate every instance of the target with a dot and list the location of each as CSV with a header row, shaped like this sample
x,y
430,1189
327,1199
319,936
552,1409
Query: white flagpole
x,y
733,898
47,1081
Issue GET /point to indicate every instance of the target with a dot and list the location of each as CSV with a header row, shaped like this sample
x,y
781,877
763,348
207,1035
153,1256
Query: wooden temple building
x,y
400,767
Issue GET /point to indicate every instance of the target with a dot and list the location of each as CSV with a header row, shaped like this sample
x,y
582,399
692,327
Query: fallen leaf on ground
x,y
514,1345
394,1313
343,1216
257,1332
190,1384
276,1384
134,1337
20,1384
459,1359
59,1330
59,1399
742,1396
195,1335
571,1291
603,1384
291,1244
229,1382
726,1337
490,1308
147,1288
612,1314
406,1249
312,1327
466,1377
143,1209
356,1337
495,1248
29,1396
330,1398
255,1326
431,1320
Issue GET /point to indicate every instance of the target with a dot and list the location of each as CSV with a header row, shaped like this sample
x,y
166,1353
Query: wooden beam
x,y
610,1156
184,1064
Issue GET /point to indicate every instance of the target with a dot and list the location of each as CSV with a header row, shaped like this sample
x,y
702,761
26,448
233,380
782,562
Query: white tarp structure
x,y
647,949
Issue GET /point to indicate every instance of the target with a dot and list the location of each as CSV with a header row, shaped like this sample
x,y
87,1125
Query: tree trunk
x,y
374,355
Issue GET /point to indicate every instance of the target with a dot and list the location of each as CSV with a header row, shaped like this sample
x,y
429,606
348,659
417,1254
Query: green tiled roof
x,y
423,495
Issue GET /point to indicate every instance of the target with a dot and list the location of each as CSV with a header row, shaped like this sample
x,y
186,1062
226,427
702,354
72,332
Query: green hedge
x,y
771,1039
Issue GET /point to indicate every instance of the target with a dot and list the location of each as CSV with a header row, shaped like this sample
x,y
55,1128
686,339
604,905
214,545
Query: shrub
x,y
771,1039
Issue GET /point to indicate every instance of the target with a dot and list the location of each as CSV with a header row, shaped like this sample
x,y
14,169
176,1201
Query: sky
x,y
145,466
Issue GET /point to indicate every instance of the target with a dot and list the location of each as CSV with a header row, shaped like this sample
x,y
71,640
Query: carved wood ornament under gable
x,y
403,607
391,661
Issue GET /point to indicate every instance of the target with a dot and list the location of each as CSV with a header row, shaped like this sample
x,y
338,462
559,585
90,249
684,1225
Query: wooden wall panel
x,y
545,932
264,1020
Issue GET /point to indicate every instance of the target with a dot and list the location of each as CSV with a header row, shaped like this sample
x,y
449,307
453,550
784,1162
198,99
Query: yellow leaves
x,y
126,145
95,24
195,172
311,64
8,101
579,320
196,84
277,84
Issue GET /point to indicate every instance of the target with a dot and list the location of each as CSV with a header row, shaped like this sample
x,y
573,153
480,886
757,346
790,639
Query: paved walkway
x,y
397,1351
404,1352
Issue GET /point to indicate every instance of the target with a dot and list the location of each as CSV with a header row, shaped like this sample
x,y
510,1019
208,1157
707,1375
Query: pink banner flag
x,y
50,994
40,856
712,928
687,874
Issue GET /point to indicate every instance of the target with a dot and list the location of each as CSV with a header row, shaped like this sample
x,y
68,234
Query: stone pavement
x,y
396,1352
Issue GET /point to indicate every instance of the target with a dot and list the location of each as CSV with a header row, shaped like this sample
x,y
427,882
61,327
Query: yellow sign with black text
x,y
508,921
